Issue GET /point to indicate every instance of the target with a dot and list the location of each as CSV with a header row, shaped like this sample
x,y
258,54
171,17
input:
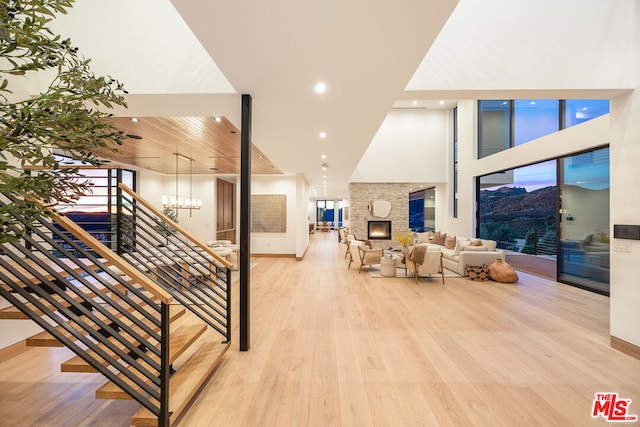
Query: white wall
x,y
625,202
410,146
302,218
278,243
202,222
582,44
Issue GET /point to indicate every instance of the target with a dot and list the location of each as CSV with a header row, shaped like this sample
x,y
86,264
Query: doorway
x,y
225,210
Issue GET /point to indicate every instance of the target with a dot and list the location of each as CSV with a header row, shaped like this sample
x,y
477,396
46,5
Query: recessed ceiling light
x,y
415,102
320,87
323,156
323,135
218,119
441,102
261,156
134,119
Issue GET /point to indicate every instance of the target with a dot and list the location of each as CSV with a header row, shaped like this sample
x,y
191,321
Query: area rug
x,y
374,271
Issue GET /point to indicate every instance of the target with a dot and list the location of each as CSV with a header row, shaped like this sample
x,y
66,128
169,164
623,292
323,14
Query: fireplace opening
x,y
379,230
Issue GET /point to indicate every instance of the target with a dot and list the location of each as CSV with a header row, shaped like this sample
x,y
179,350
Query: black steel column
x,y
245,225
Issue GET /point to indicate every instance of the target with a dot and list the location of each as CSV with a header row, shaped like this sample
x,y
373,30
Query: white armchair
x,y
363,255
421,262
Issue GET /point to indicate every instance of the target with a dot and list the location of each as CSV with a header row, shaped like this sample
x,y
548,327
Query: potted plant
x,y
405,239
63,119
164,227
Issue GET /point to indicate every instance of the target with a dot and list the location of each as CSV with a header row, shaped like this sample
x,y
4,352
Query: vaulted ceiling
x,y
185,63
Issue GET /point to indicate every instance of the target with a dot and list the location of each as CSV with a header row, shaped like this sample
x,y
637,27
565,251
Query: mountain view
x,y
520,220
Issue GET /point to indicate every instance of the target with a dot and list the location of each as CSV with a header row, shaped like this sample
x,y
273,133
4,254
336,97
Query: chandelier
x,y
175,201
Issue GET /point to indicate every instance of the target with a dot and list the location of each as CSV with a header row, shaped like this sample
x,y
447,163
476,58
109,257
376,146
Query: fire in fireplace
x,y
379,230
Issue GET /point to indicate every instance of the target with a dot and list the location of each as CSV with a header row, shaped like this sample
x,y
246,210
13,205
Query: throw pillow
x,y
476,242
478,273
500,271
450,242
439,238
423,237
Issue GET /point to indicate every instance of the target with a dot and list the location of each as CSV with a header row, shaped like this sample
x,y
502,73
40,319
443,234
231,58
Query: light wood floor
x,y
331,347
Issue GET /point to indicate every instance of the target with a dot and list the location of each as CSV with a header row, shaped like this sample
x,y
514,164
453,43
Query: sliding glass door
x,y
583,182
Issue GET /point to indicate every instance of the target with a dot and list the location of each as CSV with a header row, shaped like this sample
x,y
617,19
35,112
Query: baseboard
x,y
625,347
274,255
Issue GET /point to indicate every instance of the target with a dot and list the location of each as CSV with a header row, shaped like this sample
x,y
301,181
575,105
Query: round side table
x,y
388,267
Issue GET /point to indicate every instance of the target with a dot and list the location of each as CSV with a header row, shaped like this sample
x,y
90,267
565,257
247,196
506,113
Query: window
x,y
422,210
455,162
577,111
534,118
503,124
325,211
583,258
494,127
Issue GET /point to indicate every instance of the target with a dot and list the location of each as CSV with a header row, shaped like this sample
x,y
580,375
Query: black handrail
x,y
107,307
89,307
156,245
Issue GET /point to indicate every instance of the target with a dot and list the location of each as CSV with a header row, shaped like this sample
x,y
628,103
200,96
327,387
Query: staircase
x,y
152,317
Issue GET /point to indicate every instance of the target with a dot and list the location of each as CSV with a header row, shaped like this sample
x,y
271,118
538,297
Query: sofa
x,y
458,252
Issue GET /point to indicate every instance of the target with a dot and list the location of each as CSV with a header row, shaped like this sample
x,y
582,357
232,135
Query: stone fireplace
x,y
379,230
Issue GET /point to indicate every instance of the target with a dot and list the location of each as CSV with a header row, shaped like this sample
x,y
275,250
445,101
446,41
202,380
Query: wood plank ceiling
x,y
214,146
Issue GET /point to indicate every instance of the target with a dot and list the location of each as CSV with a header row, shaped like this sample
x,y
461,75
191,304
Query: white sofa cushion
x,y
448,253
461,244
491,244
476,249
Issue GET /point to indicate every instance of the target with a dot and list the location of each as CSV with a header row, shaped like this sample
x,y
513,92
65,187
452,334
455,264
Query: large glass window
x,y
534,118
584,220
494,127
503,124
517,208
552,218
416,211
96,211
422,210
325,211
577,111
455,162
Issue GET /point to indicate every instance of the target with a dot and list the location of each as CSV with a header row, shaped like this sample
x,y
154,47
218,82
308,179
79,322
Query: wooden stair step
x,y
14,313
45,339
77,364
185,384
181,339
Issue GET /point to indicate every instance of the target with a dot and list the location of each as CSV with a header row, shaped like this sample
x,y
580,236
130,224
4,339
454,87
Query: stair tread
x,y
180,341
77,364
186,383
45,339
12,312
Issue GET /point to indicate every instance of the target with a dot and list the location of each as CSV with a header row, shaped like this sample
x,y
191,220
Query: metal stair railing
x,y
193,273
92,301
